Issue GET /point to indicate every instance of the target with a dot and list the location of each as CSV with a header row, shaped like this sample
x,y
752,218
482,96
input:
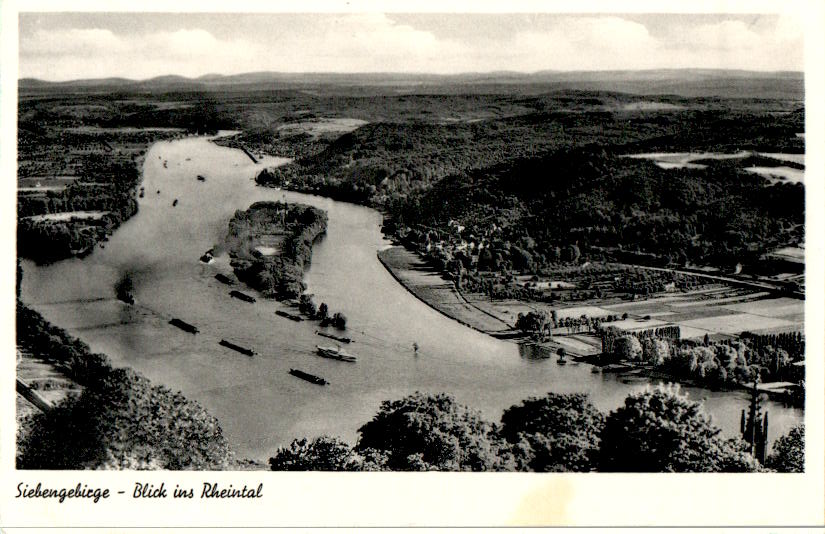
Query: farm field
x,y
579,344
67,216
729,316
738,323
682,160
714,311
780,307
321,126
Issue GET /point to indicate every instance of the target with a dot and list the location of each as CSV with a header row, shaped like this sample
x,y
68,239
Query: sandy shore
x,y
429,286
474,310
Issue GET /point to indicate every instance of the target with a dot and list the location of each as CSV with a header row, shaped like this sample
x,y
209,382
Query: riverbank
x,y
428,285
95,171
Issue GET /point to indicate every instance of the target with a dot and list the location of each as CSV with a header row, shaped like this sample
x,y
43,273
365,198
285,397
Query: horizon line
x,y
414,73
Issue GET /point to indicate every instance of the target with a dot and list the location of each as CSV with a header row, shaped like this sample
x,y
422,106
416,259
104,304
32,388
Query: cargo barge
x,y
183,325
335,353
333,336
241,296
238,348
223,279
308,377
296,318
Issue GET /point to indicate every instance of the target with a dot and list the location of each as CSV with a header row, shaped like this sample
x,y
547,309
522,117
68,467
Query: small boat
x,y
296,318
186,327
164,164
124,291
238,348
174,203
333,336
201,178
335,353
223,279
241,296
308,377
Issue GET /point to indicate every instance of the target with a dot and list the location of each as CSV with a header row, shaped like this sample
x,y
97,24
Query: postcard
x,y
375,265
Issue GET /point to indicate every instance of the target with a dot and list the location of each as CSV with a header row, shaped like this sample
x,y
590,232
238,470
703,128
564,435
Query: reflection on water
x,y
260,406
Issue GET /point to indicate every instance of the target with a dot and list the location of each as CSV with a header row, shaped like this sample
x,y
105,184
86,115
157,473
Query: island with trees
x,y
270,246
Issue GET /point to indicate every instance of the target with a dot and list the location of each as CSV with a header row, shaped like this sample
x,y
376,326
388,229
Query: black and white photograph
x,y
527,242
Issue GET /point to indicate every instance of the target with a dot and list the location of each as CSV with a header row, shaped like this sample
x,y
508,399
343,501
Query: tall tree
x,y
788,454
660,430
433,432
560,431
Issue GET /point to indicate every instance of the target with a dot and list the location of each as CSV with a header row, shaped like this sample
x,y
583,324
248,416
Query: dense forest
x,y
531,185
120,420
607,205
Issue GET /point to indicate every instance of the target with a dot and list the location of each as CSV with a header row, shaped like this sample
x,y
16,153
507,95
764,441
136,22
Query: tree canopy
x,y
661,430
124,422
432,432
560,432
788,454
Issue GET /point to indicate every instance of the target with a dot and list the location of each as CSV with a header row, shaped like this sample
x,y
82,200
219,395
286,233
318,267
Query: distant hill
x,y
682,82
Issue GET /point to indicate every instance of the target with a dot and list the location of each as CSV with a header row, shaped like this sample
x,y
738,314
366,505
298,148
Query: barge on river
x,y
222,278
340,339
242,296
296,318
238,348
183,325
308,377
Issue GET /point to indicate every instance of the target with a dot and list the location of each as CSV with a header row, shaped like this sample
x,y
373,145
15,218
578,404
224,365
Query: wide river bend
x,y
261,406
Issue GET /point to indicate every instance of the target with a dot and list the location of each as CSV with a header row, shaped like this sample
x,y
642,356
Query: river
x,y
259,405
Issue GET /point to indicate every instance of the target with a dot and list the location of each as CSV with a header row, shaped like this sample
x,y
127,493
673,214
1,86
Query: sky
x,y
66,46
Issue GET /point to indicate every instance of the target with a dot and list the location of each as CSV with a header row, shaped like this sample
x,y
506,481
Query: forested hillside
x,y
557,177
